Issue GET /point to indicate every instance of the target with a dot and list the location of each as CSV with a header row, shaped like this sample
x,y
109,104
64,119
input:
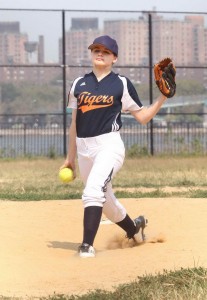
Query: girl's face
x,y
102,57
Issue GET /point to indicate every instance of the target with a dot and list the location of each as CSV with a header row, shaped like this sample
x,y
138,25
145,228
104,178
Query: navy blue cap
x,y
107,42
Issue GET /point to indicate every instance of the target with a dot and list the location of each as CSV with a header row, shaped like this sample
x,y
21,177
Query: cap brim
x,y
92,46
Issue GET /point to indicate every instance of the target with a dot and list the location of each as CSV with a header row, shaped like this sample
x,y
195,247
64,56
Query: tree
x,y
9,92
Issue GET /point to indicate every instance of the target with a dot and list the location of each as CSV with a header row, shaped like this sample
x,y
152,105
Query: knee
x,y
93,198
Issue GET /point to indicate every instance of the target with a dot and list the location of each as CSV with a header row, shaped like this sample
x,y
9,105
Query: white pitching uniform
x,y
100,148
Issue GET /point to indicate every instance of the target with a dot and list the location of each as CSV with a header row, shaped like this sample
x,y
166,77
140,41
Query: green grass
x,y
185,284
37,179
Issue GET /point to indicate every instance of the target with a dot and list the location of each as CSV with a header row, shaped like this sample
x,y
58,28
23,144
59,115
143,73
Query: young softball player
x,y
97,100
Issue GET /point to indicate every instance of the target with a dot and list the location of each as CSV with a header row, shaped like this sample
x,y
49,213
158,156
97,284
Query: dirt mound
x,y
39,240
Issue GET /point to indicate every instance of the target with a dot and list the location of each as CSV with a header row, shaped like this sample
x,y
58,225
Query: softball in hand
x,y
66,175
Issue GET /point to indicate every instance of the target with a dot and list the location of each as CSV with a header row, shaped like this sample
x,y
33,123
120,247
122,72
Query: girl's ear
x,y
115,59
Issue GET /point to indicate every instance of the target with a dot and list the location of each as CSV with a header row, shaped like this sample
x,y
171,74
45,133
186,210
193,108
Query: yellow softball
x,y
66,175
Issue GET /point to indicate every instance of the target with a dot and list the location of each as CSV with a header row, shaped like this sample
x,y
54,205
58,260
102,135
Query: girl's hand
x,y
68,164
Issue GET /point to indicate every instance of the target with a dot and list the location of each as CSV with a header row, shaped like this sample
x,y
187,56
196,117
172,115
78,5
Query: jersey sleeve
x,y
72,100
130,99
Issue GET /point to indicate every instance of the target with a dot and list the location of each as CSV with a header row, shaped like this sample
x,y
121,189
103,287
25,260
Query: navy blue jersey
x,y
99,103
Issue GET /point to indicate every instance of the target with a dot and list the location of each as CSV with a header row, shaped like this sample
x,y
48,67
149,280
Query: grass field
x,y
184,284
37,179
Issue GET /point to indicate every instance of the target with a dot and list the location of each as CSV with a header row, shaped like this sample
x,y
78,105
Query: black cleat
x,y
85,250
141,223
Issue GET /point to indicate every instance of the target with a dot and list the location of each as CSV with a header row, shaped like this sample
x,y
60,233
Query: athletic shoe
x,y
141,223
85,250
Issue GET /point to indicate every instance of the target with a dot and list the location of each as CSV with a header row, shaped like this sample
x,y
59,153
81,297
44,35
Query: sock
x,y
91,221
128,225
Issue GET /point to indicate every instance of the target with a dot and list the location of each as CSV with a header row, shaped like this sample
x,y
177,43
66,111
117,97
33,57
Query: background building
x,y
80,35
15,47
184,40
12,43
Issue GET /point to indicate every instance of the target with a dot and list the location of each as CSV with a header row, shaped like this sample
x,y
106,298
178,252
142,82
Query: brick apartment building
x,y
185,40
16,49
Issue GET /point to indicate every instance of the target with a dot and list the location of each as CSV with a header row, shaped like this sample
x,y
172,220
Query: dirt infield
x,y
39,242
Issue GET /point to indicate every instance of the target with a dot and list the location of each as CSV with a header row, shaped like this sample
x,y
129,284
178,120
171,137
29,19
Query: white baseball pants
x,y
99,159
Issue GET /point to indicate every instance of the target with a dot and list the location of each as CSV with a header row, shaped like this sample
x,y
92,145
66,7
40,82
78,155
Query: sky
x,y
49,23
164,5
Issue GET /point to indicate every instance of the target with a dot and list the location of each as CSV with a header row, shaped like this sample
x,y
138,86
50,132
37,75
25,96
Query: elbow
x,y
142,117
143,121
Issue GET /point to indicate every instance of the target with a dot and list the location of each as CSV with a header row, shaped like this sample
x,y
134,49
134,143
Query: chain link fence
x,y
22,139
39,63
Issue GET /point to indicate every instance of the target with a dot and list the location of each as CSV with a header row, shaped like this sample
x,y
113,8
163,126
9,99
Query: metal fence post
x,y
25,137
150,81
64,85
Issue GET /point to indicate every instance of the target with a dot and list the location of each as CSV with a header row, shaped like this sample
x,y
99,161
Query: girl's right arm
x,y
72,150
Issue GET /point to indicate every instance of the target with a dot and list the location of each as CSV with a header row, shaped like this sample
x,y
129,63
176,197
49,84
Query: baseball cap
x,y
107,42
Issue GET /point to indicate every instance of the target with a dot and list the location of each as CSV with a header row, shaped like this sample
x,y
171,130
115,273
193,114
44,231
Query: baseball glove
x,y
164,72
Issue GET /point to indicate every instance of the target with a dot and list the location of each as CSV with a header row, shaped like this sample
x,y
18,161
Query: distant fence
x,y
20,139
35,76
